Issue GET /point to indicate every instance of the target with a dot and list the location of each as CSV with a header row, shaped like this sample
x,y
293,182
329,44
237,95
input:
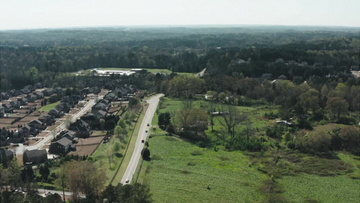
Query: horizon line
x,y
178,25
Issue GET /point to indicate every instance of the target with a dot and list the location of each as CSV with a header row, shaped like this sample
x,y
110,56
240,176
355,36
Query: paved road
x,y
21,148
130,170
67,194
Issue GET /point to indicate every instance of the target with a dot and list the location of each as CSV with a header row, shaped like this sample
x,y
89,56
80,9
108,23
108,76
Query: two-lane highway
x,y
130,170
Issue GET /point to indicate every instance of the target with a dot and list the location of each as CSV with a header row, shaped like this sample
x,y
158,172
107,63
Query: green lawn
x,y
49,106
183,172
166,71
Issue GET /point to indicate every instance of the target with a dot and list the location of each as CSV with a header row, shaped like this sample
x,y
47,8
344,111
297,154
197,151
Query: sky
x,y
33,14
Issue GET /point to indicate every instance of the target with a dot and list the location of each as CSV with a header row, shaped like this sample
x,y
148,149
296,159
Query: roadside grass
x,y
101,158
101,154
127,157
49,106
180,171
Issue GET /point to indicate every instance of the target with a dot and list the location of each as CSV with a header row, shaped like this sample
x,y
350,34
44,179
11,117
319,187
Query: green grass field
x,y
49,106
183,172
313,188
166,71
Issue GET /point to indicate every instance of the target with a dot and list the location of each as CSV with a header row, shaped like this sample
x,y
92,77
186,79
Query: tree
x,y
44,171
133,102
117,131
145,154
350,138
127,193
164,120
230,118
85,177
309,100
337,106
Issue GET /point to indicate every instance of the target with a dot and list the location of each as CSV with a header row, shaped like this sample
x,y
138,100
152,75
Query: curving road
x,y
130,170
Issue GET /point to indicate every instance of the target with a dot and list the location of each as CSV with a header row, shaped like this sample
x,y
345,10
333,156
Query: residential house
x,y
111,97
81,128
8,108
34,156
26,130
47,119
48,92
100,106
22,101
61,146
36,125
29,87
4,96
68,134
54,112
25,91
99,114
39,95
32,98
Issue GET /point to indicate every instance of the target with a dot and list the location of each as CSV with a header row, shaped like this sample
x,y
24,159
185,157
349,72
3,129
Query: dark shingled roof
x,y
35,153
64,141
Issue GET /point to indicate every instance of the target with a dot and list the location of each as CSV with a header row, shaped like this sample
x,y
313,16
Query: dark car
x,y
148,124
146,131
142,141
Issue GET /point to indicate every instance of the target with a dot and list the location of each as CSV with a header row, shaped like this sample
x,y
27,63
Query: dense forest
x,y
34,56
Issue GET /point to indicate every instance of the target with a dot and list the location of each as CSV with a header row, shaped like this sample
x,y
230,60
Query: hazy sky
x,y
20,14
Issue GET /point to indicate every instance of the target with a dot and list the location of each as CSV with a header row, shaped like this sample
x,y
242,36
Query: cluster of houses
x,y
66,140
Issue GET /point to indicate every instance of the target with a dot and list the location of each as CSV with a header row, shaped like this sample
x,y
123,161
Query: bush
x,y
347,120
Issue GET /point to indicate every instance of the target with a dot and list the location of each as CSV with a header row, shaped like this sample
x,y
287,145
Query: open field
x,y
183,172
313,179
166,71
313,188
49,106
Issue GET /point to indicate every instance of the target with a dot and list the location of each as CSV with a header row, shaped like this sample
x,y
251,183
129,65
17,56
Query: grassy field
x,y
183,172
313,188
49,106
166,71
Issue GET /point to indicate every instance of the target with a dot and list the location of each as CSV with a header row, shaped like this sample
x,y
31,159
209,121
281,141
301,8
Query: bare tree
x,y
210,108
231,117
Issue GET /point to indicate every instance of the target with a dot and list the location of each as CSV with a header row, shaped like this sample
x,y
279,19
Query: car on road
x,y
148,124
127,181
142,141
